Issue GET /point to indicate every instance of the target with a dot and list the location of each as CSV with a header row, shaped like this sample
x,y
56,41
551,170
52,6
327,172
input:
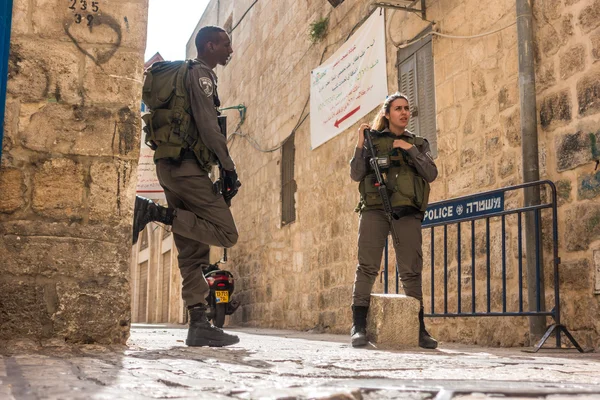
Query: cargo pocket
x,y
403,186
369,191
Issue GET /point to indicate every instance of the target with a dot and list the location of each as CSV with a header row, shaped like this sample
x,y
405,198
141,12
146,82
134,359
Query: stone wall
x,y
68,171
300,275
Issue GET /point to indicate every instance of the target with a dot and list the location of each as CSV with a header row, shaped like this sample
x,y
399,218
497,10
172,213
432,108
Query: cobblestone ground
x,y
269,364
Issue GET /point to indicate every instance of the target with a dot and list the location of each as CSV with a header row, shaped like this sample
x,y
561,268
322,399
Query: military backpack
x,y
168,124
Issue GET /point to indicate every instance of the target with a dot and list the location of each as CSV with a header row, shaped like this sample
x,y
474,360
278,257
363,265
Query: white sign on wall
x,y
350,84
147,182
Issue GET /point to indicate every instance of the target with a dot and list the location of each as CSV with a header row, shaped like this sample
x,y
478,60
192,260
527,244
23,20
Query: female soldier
x,y
410,169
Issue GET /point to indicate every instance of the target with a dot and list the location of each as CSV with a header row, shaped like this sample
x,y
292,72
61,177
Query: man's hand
x,y
401,144
231,184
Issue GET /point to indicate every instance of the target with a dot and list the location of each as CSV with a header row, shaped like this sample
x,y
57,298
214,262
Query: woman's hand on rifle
x,y
361,135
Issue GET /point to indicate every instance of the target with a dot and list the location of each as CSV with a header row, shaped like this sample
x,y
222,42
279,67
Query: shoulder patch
x,y
206,85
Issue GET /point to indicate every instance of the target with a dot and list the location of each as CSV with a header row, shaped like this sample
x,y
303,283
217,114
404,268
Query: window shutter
x,y
288,184
426,96
142,291
408,86
166,285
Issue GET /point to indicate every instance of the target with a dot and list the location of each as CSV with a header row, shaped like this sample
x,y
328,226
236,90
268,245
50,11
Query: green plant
x,y
318,29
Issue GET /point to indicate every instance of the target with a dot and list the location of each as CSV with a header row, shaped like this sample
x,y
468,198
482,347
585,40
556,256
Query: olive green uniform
x,y
203,219
408,178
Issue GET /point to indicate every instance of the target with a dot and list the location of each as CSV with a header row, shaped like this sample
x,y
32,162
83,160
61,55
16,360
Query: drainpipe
x,y
530,160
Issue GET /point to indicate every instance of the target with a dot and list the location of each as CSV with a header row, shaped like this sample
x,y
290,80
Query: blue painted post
x,y
5,24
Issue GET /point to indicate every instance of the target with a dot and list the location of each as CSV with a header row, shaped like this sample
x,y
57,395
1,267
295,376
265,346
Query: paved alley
x,y
269,364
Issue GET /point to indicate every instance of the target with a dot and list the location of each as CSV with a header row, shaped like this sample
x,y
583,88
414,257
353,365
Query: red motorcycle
x,y
220,301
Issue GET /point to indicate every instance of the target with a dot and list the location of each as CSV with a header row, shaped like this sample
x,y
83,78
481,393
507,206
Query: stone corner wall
x,y
67,178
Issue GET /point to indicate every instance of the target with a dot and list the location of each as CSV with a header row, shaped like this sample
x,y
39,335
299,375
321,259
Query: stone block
x,y
478,85
588,93
472,122
489,114
65,255
118,81
25,309
39,72
575,149
11,121
597,271
20,18
114,24
461,183
508,96
545,75
472,152
447,144
451,118
548,40
567,27
572,61
450,165
12,187
58,189
547,10
89,131
511,62
393,321
555,108
461,86
575,275
485,176
579,310
595,39
589,18
512,128
493,142
563,191
583,221
112,189
588,186
445,94
93,311
506,166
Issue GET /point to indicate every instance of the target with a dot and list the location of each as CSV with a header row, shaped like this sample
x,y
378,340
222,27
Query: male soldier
x,y
199,216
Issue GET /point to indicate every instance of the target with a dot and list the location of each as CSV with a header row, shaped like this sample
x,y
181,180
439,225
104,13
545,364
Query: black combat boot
x,y
146,211
425,339
359,326
203,333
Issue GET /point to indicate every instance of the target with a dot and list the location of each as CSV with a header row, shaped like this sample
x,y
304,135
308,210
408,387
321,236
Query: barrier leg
x,y
558,328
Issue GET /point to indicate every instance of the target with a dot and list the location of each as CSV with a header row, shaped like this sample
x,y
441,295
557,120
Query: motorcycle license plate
x,y
222,296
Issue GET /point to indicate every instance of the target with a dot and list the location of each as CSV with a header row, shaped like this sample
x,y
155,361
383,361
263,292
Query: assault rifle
x,y
380,184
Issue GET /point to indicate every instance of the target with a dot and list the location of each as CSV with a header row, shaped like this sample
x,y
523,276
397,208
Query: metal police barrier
x,y
484,207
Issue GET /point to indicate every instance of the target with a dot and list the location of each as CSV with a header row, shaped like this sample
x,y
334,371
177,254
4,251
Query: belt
x,y
188,155
404,211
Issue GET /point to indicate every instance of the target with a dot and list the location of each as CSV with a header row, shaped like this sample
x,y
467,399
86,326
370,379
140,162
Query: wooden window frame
x,y
288,184
420,87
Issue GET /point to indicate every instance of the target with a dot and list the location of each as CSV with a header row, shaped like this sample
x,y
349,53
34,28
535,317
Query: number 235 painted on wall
x,y
80,7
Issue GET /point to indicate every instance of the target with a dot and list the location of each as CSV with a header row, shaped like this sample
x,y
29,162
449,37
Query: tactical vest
x,y
405,186
168,125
